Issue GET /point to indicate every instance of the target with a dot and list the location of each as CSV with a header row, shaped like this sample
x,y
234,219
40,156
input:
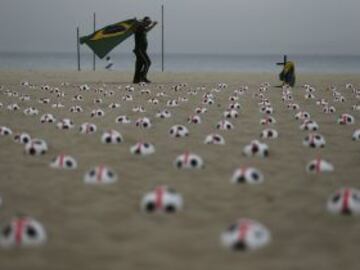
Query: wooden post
x,y
162,38
78,48
94,57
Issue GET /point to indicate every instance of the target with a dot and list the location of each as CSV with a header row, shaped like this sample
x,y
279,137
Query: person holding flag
x,y
103,41
143,62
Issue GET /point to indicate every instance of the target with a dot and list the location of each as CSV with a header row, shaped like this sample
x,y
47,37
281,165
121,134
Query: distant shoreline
x,y
201,78
185,62
280,54
209,72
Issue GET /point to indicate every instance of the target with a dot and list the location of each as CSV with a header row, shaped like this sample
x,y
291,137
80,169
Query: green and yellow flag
x,y
104,40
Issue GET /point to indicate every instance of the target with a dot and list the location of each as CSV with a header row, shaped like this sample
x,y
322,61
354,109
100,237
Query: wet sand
x,y
101,227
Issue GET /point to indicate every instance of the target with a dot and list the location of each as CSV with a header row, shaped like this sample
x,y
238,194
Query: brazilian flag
x,y
104,40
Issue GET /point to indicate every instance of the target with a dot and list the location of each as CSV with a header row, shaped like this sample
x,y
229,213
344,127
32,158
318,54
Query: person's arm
x,y
135,26
150,27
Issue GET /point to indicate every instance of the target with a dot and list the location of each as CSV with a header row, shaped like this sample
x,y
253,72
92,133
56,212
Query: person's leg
x,y
139,65
147,64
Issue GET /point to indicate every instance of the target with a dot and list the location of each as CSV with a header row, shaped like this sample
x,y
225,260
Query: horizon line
x,y
191,53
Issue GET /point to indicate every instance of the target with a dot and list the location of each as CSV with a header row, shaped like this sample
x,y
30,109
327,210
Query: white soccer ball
x,y
47,118
143,122
179,131
256,149
194,119
123,119
63,162
269,133
346,119
247,175
65,123
214,139
302,115
245,234
36,147
163,114
22,138
5,131
142,149
232,113
200,110
344,201
76,109
162,200
309,125
97,113
268,120
314,140
114,105
31,111
188,161
88,128
356,135
224,125
100,175
111,137
138,109
22,232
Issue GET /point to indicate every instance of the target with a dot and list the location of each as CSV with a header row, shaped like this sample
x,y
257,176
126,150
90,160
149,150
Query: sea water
x,y
184,62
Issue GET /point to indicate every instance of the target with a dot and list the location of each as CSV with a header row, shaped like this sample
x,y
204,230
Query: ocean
x,y
185,62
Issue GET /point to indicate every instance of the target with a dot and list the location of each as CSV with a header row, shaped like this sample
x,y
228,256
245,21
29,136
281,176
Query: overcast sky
x,y
191,26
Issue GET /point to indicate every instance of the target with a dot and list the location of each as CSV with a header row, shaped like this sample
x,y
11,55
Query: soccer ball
x,y
345,201
111,137
314,140
162,200
245,234
22,232
245,175
319,165
188,161
36,147
100,175
88,128
214,139
256,148
63,162
142,149
178,131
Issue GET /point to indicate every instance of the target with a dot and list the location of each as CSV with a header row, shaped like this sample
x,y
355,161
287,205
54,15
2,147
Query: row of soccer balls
x,y
343,119
307,124
114,137
244,234
254,148
187,160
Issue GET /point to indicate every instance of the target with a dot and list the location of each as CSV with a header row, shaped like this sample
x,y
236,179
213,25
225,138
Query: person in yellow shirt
x,y
287,75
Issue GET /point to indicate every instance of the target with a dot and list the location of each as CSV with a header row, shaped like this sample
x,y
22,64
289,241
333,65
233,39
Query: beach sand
x,y
102,227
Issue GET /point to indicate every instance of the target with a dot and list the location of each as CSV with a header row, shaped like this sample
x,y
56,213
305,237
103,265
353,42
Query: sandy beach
x,y
102,227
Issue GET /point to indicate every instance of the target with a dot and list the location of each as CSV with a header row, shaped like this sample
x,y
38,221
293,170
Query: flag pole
x,y
162,38
94,59
78,48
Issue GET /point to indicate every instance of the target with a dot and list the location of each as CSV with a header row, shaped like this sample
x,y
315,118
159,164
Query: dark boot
x,y
146,80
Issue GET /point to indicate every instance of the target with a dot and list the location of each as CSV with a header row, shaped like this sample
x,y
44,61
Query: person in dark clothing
x,y
143,61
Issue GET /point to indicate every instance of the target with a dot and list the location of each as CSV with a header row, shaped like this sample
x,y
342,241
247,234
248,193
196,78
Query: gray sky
x,y
192,26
